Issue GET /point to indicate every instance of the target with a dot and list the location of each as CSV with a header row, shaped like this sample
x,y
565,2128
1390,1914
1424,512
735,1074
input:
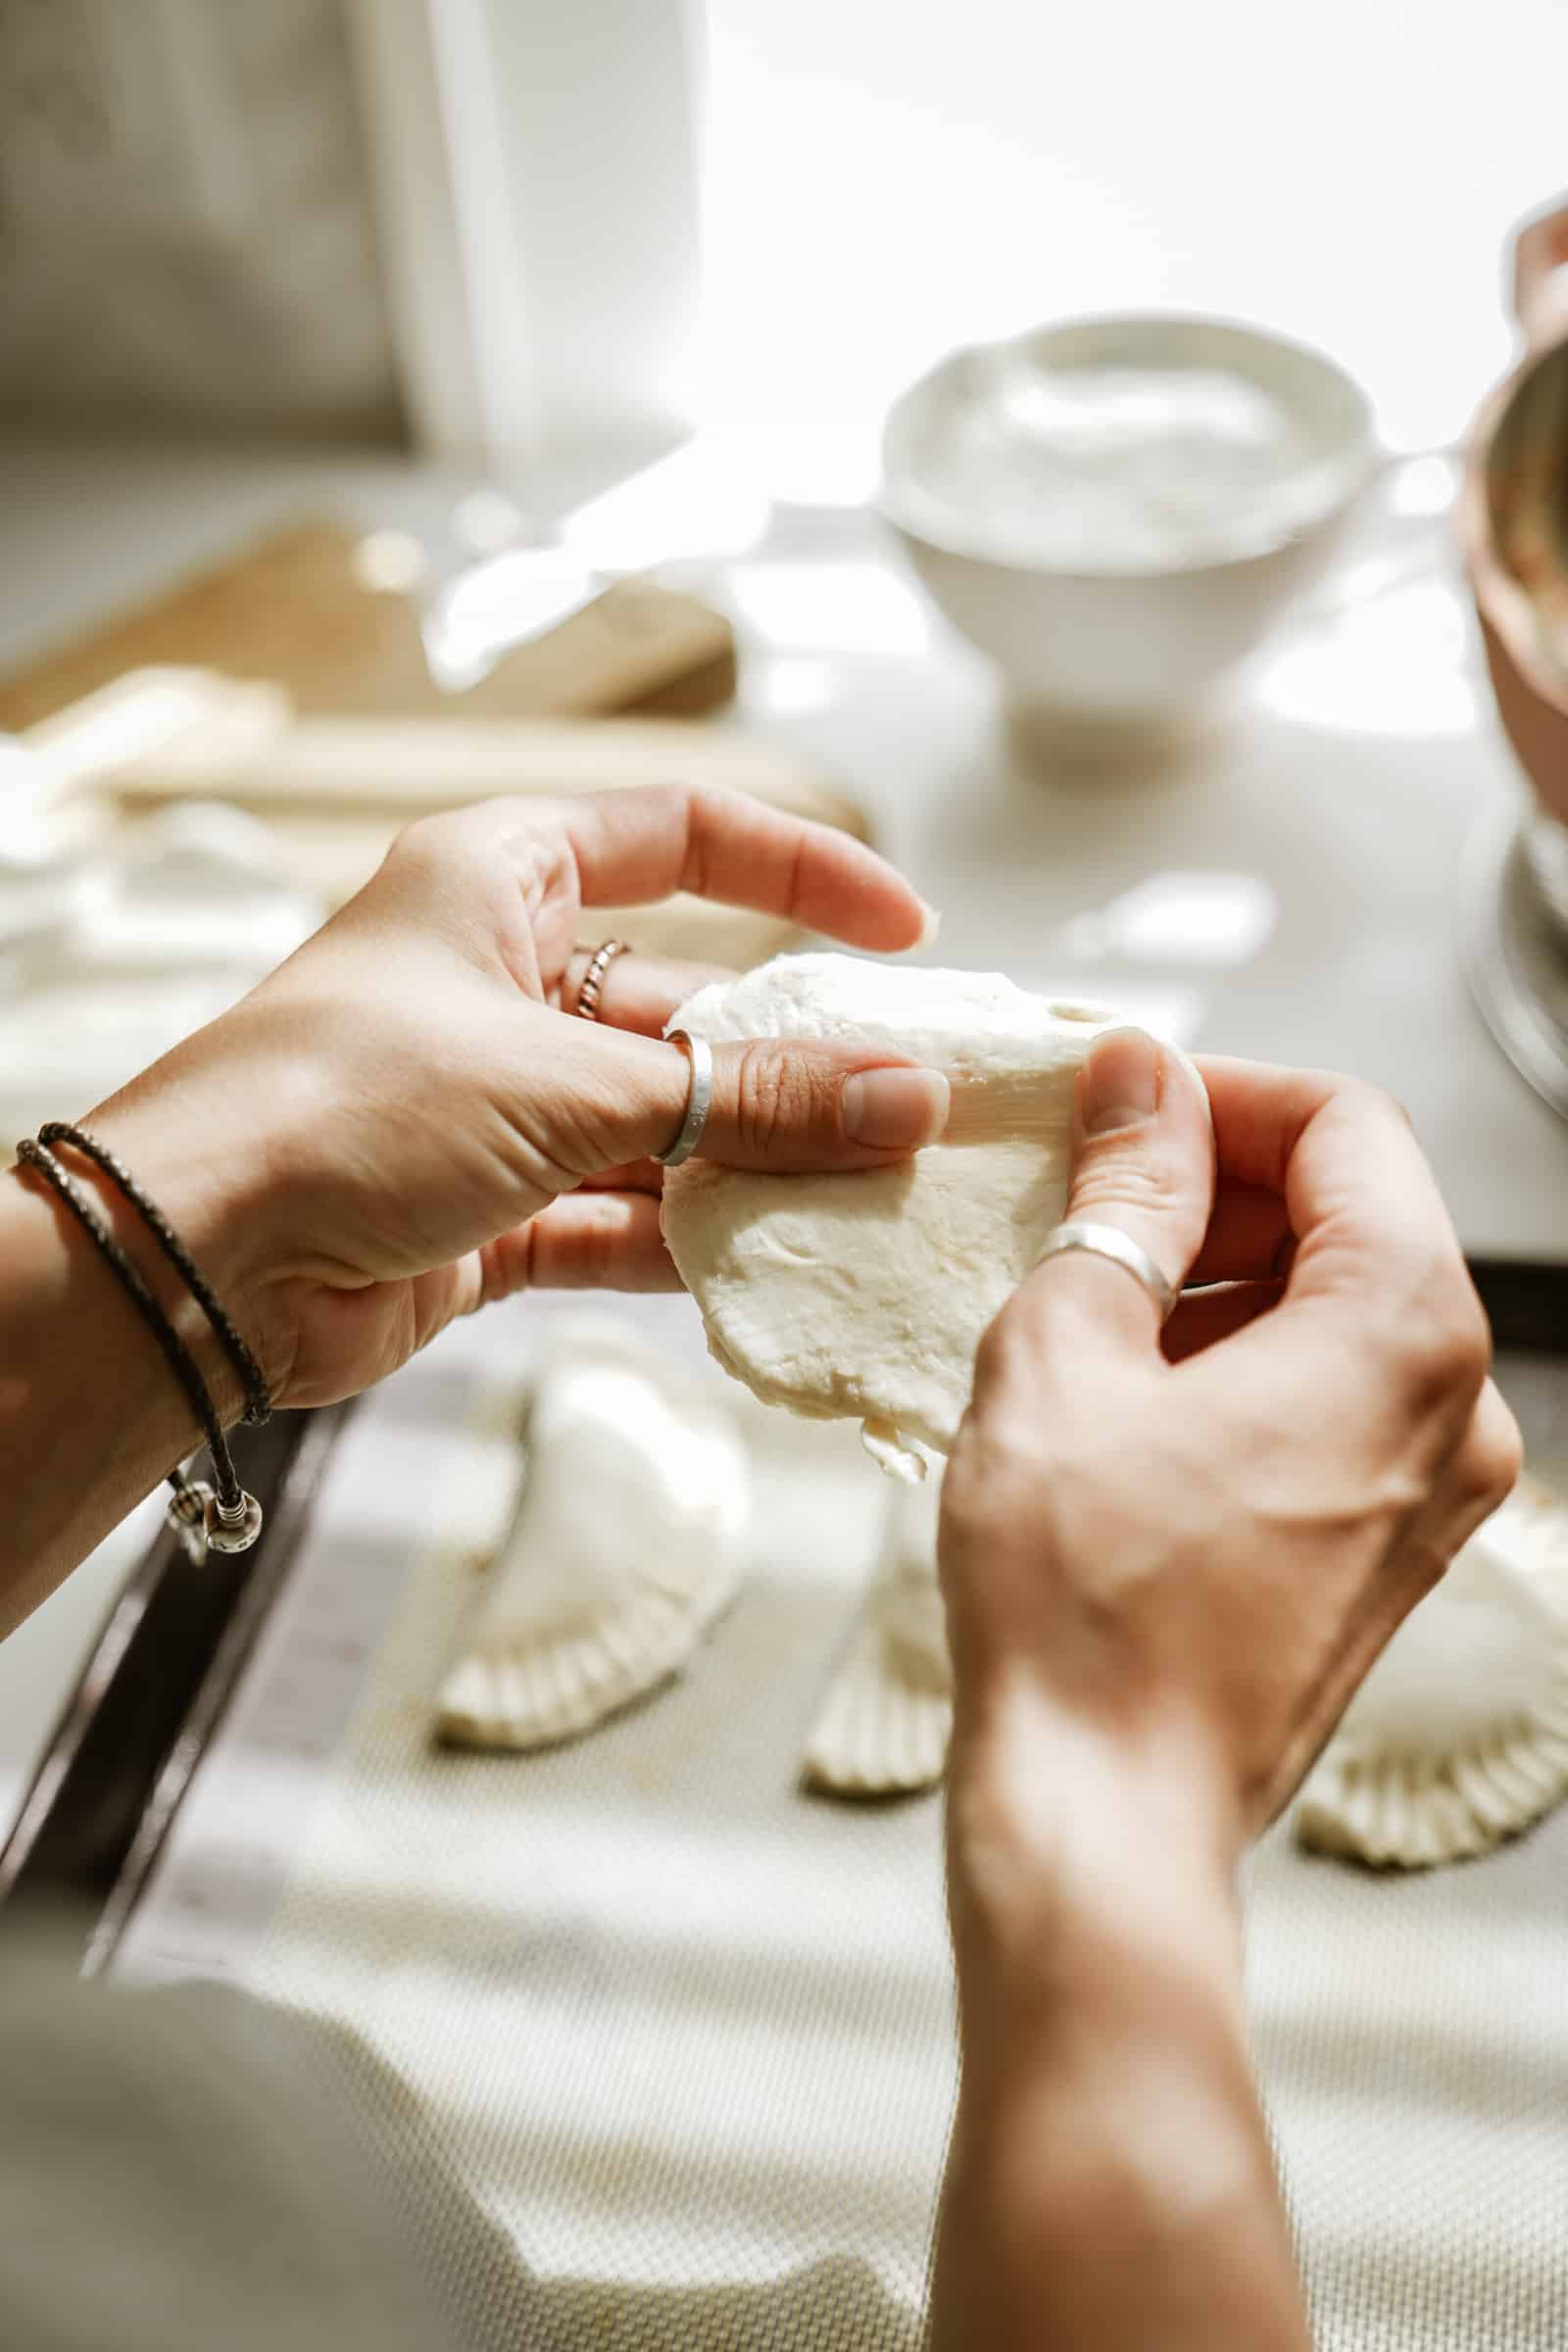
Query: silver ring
x,y
1109,1242
699,1102
593,980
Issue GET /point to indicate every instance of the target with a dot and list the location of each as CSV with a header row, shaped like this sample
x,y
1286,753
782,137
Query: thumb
x,y
777,1106
1144,1162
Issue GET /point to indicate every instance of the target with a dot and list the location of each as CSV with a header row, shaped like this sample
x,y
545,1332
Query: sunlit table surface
x,y
1285,888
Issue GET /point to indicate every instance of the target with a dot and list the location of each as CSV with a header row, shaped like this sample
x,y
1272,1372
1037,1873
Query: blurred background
x,y
499,228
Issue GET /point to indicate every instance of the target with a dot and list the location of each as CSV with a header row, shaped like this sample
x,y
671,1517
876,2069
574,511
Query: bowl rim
x,y
1503,603
928,521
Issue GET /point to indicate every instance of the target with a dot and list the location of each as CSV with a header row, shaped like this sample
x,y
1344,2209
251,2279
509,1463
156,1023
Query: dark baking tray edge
x,y
1526,1302
161,1674
151,1694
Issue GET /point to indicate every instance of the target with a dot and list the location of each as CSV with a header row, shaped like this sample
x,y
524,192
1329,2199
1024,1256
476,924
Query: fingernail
x,y
895,1110
1120,1082
930,924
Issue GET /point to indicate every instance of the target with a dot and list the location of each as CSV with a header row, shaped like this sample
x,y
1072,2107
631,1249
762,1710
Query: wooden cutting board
x,y
303,696
295,610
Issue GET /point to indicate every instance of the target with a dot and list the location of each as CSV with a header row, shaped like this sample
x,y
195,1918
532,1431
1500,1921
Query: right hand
x,y
1180,1552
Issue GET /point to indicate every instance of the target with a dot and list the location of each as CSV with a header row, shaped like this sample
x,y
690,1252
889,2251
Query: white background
x,y
884,179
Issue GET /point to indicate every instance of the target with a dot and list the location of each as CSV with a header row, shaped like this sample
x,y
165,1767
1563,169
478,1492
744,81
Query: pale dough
x,y
884,1725
626,1546
866,1295
1458,1737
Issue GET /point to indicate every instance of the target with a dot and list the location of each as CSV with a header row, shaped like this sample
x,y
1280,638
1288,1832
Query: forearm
x,y
1110,2180
91,1416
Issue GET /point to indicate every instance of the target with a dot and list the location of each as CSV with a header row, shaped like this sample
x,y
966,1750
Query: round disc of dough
x,y
866,1295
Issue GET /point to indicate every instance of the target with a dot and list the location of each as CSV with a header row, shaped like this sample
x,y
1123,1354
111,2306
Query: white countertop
x,y
1331,810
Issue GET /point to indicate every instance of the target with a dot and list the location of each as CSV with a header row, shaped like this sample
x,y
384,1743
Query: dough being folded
x,y
884,1726
864,1296
1458,1737
626,1548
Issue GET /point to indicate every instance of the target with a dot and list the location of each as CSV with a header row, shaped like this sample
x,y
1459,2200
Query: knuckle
x,y
1022,1432
762,1097
706,803
605,1233
1457,1348
591,1248
1006,1362
1371,1100
1366,1105
1146,1180
779,1098
980,1488
1497,1455
427,847
1440,1337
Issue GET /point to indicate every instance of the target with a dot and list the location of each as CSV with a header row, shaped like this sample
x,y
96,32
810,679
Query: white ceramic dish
x,y
1117,628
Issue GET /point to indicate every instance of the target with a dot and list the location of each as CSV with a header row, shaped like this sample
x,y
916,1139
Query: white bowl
x,y
1134,616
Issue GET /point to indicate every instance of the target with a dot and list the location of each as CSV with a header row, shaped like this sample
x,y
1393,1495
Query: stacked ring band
x,y
593,979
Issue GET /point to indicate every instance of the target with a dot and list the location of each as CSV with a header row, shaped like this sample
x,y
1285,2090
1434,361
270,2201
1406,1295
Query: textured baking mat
x,y
664,2050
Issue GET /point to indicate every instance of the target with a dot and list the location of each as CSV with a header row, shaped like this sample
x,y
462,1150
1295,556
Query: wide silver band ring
x,y
699,1102
1109,1242
593,979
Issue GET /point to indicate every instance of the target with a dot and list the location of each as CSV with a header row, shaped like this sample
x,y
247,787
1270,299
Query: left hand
x,y
402,1122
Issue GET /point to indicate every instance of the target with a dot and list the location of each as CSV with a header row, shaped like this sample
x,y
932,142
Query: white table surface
x,y
1345,783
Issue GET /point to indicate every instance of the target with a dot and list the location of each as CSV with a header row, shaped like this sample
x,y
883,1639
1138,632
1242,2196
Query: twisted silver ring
x,y
593,980
1109,1242
699,1102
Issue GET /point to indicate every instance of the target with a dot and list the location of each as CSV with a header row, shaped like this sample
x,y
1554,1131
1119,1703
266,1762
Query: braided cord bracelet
x,y
228,1519
258,1404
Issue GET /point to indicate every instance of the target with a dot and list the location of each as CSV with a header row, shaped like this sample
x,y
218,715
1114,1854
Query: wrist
x,y
1106,2103
210,1197
1077,1854
91,1414
1109,2177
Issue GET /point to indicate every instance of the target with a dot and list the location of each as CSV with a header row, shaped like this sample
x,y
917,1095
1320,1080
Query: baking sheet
x,y
675,2041
1411,2034
665,1952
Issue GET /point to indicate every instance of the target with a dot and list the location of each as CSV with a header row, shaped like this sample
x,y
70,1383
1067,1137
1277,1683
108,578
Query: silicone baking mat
x,y
669,2043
